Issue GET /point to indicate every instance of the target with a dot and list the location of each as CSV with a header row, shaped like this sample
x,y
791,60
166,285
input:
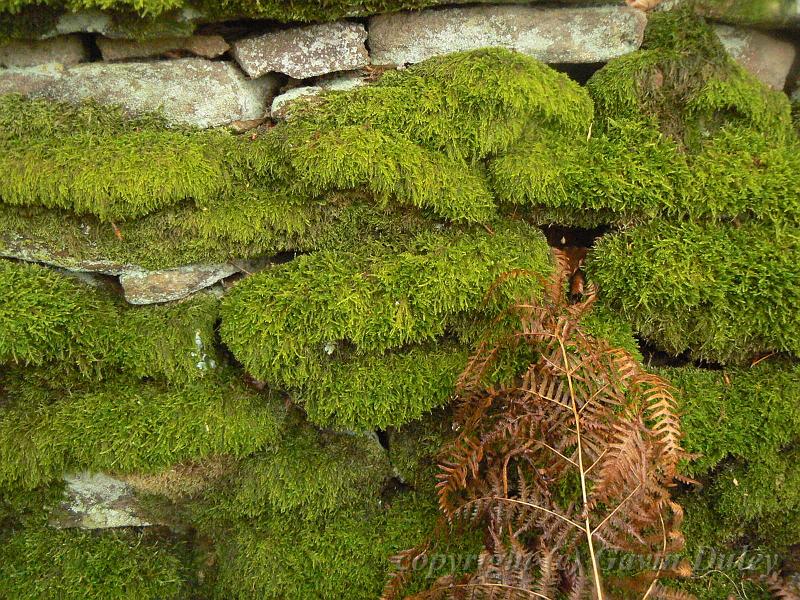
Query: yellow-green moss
x,y
48,427
48,317
720,291
41,563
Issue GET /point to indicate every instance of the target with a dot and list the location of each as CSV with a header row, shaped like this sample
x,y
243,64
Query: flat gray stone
x,y
282,104
189,91
29,80
64,49
765,56
151,287
206,46
97,501
174,23
551,35
304,51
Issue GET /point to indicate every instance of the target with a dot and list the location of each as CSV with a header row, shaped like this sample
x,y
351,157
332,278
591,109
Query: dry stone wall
x,y
244,75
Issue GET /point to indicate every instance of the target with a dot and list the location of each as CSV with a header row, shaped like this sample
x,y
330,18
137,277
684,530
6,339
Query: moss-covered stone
x,y
308,473
41,563
746,413
722,292
125,425
742,425
48,317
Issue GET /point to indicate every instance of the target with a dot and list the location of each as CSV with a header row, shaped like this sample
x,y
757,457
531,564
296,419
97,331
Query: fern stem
x,y
588,528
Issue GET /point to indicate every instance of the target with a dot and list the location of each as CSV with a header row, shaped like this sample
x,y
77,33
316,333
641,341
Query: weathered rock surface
x,y
765,56
65,49
175,23
304,51
282,104
206,46
97,501
150,287
29,80
189,91
552,35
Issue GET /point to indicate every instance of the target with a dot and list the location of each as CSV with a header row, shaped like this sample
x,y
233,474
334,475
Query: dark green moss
x,y
42,563
722,292
48,317
309,474
343,557
745,414
125,425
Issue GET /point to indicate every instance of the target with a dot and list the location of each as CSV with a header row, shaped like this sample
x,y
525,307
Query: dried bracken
x,y
577,452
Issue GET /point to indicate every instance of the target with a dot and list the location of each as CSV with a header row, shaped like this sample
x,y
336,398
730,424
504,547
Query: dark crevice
x,y
561,236
383,438
579,72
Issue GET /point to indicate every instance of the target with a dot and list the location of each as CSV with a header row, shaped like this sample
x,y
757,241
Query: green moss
x,y
126,426
629,171
265,225
49,317
763,13
135,166
377,391
310,474
42,563
684,81
742,425
721,292
412,138
342,557
279,323
745,414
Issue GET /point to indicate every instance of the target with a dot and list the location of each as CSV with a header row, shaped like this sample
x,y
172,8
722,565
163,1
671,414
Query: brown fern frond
x,y
580,449
780,587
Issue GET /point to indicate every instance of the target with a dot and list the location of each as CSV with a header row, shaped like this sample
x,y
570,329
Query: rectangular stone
x,y
552,35
304,51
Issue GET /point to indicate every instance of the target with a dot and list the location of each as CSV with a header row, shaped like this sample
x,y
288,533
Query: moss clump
x,y
342,557
309,474
741,413
126,426
721,292
629,171
322,323
684,82
42,563
278,323
47,317
135,166
743,425
413,138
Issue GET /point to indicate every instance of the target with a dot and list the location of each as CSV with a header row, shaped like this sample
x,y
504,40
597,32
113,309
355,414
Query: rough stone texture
x,y
282,104
180,23
207,46
765,56
29,80
65,49
305,51
150,287
552,35
190,91
97,501
140,286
